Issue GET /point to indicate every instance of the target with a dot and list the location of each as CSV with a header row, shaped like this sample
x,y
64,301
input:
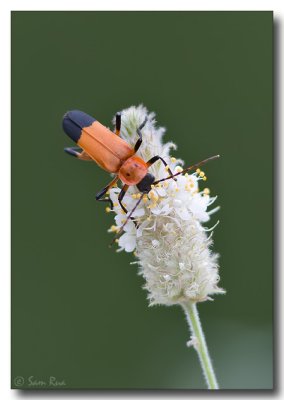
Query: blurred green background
x,y
78,311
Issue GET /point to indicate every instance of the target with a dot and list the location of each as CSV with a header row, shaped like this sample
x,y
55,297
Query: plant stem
x,y
199,343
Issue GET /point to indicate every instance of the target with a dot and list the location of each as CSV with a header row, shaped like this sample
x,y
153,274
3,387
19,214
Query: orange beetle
x,y
110,152
115,155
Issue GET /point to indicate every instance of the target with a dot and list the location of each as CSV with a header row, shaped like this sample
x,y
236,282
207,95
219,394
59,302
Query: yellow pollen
x,y
107,192
173,159
186,174
134,253
136,195
177,189
206,191
152,205
178,169
153,196
198,170
108,209
113,228
202,174
152,186
166,168
116,240
145,198
166,184
191,185
114,185
115,204
205,178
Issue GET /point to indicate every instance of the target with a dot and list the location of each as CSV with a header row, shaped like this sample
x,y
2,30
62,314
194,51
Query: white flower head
x,y
172,246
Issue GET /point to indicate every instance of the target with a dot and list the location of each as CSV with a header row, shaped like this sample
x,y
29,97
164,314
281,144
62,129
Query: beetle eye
x,y
128,174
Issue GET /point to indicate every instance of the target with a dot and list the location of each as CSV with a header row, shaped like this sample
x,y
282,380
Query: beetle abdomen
x,y
73,123
108,150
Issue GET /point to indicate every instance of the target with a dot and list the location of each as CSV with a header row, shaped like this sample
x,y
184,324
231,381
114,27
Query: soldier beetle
x,y
113,154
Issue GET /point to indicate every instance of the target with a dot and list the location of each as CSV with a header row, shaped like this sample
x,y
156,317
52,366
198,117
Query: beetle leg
x,y
140,140
117,123
156,158
121,195
75,151
120,198
103,192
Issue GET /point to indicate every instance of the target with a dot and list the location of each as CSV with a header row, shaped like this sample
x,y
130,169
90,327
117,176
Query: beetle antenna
x,y
127,219
188,169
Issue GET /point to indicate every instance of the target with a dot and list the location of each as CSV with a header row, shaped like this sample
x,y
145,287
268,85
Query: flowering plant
x,y
172,246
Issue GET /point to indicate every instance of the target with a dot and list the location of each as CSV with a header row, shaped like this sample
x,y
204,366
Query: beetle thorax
x,y
133,170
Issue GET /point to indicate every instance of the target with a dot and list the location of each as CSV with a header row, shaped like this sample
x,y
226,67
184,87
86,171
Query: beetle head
x,y
145,184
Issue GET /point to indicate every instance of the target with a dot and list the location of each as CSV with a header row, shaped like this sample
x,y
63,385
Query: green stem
x,y
199,343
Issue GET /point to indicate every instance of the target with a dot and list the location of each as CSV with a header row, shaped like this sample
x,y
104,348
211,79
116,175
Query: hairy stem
x,y
199,343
